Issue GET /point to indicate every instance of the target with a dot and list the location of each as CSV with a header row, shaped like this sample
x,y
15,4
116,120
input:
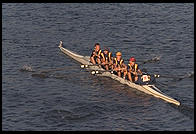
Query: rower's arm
x,y
139,71
102,59
114,65
95,54
124,66
111,62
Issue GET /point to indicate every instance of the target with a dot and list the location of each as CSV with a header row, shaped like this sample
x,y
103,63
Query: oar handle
x,y
156,75
84,66
88,65
101,71
95,72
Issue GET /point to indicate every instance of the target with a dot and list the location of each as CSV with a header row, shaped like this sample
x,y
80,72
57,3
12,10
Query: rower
x,y
106,59
133,70
95,56
119,65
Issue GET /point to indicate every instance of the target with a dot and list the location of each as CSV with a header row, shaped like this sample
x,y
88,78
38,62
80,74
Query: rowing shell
x,y
148,89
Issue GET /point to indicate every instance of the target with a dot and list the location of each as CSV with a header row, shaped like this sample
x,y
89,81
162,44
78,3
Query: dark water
x,y
73,99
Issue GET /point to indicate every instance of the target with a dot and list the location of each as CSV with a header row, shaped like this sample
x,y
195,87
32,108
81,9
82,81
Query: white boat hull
x,y
148,89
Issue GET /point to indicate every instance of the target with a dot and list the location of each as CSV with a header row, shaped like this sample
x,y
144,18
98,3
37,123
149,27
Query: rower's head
x,y
118,55
106,50
97,46
132,61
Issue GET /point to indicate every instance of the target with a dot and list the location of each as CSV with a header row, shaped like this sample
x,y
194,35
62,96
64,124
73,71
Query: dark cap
x,y
97,44
106,49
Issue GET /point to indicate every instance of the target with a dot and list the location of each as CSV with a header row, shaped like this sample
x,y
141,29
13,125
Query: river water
x,y
73,99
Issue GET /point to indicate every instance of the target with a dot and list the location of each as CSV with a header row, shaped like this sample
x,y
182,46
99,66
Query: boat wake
x,y
154,59
66,116
186,110
40,75
45,73
175,79
188,75
26,68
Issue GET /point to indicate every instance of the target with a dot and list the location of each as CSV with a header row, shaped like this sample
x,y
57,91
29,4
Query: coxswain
x,y
133,70
106,59
119,66
96,54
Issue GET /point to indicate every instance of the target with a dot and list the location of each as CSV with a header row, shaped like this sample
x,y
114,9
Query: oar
x,y
152,60
29,69
86,66
178,78
155,75
164,76
51,70
89,65
101,71
42,73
